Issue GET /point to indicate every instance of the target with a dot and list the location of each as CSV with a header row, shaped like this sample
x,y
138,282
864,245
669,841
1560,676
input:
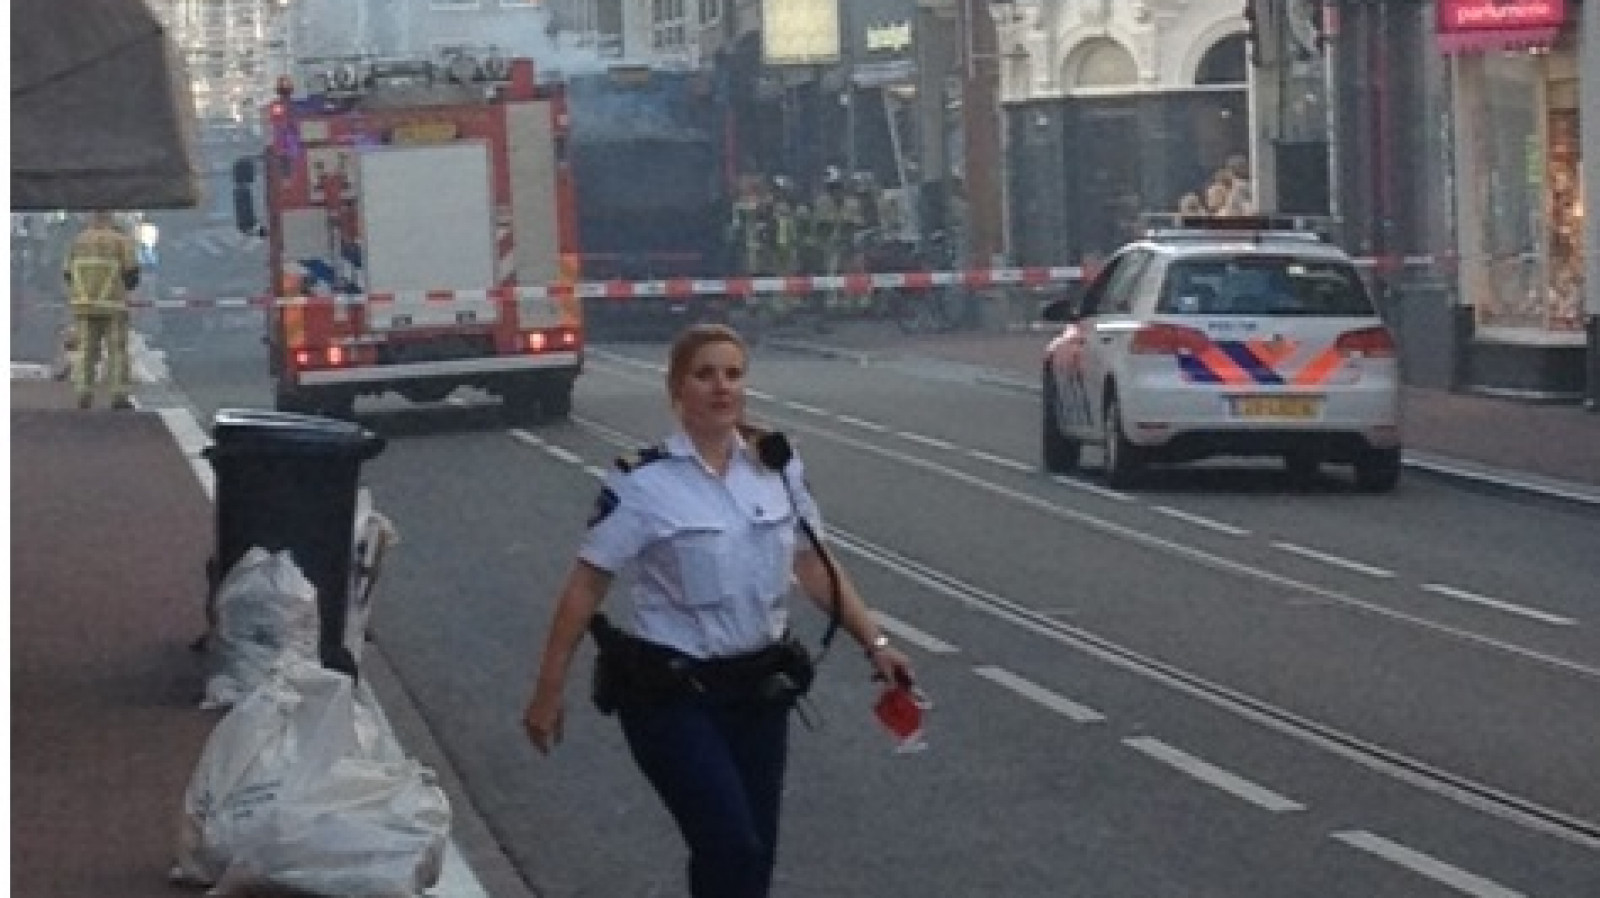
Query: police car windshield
x,y
1260,285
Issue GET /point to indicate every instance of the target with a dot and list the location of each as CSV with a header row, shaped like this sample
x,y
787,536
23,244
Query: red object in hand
x,y
901,715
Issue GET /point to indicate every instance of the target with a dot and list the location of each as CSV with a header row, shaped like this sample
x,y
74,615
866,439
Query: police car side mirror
x,y
1061,311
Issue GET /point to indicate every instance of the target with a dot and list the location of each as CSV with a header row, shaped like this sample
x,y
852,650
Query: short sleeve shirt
x,y
708,560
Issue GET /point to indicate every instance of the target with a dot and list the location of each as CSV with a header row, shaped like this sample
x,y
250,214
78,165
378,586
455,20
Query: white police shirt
x,y
711,558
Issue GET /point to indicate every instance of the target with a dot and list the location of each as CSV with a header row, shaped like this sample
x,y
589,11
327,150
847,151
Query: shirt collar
x,y
678,445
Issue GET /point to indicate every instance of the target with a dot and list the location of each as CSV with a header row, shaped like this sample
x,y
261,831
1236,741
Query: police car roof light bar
x,y
1171,225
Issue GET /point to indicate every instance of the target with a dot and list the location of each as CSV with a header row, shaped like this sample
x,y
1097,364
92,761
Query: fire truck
x,y
421,234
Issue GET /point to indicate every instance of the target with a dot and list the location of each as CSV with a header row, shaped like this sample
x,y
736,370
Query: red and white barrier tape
x,y
736,287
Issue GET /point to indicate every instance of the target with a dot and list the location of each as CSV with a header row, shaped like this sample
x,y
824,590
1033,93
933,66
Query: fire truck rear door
x,y
427,217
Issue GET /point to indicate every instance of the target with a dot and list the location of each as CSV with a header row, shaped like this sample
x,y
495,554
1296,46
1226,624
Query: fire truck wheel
x,y
556,401
521,406
306,402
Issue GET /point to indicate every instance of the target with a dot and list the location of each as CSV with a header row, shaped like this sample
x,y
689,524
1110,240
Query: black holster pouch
x,y
629,671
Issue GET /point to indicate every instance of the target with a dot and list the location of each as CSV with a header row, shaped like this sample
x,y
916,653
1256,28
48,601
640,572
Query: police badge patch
x,y
604,505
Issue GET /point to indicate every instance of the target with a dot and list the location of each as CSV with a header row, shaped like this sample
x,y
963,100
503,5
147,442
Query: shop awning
x,y
1486,40
101,111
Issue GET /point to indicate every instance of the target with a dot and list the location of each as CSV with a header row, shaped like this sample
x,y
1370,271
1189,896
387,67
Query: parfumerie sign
x,y
1500,15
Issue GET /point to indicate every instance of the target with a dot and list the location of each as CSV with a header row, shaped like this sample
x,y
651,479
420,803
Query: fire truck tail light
x,y
563,339
336,356
302,358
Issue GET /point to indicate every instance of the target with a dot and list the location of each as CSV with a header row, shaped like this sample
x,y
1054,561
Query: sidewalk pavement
x,y
109,536
1553,449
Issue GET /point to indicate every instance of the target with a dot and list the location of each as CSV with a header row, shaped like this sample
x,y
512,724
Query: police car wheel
x,y
1123,464
1061,453
1301,465
1378,470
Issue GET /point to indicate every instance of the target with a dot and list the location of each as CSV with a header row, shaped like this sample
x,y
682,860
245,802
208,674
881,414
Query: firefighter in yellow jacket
x,y
100,270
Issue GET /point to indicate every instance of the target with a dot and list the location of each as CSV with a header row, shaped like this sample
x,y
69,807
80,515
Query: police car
x,y
1224,337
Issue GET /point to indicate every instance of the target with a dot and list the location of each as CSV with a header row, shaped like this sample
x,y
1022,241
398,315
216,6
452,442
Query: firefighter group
x,y
778,229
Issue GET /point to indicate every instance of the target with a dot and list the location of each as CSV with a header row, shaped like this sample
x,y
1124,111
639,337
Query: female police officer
x,y
712,537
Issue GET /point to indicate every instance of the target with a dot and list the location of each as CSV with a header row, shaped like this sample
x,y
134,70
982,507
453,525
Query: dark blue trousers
x,y
719,770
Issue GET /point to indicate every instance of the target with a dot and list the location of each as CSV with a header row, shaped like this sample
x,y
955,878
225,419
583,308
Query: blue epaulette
x,y
628,463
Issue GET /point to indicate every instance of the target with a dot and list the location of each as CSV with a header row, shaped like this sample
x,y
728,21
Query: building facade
x,y
1113,110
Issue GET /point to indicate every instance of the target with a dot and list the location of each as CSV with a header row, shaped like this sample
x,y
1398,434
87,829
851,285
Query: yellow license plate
x,y
1275,406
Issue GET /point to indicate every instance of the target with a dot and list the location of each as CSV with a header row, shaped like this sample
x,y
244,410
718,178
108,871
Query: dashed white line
x,y
1201,521
1335,560
597,473
919,638
1002,461
861,423
1034,692
802,407
564,455
1433,868
1498,604
934,442
1212,775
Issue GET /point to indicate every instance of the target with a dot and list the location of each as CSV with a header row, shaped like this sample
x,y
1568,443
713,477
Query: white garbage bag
x,y
303,787
374,535
264,607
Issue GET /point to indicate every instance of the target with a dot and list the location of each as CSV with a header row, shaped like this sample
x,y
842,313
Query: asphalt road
x,y
1224,684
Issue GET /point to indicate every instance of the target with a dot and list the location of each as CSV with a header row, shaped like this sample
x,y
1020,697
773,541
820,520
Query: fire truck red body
x,y
421,231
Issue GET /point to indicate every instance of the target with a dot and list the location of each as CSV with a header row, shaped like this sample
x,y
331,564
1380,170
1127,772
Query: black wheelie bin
x,y
287,481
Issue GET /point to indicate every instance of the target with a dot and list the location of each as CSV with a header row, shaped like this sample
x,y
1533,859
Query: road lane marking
x,y
919,638
1335,560
1212,775
1035,693
1431,867
1002,461
1088,487
1498,604
1201,521
564,455
933,442
802,407
861,423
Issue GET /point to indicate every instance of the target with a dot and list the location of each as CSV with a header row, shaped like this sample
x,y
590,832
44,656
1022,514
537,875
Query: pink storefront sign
x,y
1468,26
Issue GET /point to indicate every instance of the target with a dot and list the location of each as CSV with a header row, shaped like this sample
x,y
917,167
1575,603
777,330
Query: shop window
x,y
1521,195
